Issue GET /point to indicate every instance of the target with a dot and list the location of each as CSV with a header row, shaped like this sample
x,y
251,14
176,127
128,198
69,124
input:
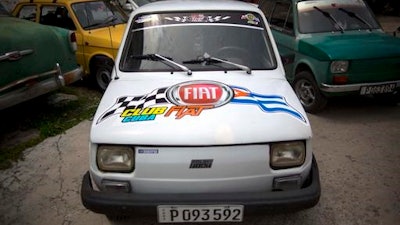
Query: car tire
x,y
389,99
308,92
102,74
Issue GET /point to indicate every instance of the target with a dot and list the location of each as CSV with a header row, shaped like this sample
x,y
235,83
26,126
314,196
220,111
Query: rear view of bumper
x,y
36,85
130,203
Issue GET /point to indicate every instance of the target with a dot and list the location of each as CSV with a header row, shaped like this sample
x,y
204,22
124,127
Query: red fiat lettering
x,y
200,93
182,111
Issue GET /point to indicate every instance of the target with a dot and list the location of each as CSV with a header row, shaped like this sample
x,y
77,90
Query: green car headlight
x,y
115,158
339,66
287,154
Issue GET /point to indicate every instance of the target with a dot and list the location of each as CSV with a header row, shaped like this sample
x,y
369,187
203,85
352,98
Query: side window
x,y
58,16
28,12
267,8
281,17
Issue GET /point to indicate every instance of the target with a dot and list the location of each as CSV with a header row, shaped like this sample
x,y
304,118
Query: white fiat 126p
x,y
199,123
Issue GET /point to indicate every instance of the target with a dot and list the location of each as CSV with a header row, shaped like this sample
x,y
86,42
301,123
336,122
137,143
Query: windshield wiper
x,y
330,17
107,20
354,15
157,57
207,59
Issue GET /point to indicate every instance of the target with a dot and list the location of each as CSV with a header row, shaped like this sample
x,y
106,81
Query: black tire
x,y
102,73
389,99
308,92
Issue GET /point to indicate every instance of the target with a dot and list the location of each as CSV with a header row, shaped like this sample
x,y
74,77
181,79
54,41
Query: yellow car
x,y
98,24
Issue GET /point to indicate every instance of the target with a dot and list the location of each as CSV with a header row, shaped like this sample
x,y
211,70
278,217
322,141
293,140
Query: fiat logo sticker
x,y
200,93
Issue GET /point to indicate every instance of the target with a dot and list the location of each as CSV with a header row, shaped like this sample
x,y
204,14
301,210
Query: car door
x,y
61,16
53,14
56,15
280,16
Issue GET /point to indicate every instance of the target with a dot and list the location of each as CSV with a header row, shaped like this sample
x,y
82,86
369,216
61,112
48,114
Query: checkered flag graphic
x,y
157,96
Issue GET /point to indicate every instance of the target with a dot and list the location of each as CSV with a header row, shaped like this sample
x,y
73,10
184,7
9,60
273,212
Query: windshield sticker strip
x,y
191,99
197,18
229,17
198,24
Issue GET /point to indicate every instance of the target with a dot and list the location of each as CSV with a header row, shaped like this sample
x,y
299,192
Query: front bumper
x,y
130,203
353,87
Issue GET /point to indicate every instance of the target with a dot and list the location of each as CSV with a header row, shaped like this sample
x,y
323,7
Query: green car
x,y
334,48
34,59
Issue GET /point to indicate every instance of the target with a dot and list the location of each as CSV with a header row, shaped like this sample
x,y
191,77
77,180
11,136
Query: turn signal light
x,y
340,79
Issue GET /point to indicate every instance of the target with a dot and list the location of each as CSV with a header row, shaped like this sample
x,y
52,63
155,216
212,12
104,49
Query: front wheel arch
x,y
308,92
101,70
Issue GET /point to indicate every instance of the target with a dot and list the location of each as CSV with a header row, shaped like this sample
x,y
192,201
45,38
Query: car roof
x,y
196,5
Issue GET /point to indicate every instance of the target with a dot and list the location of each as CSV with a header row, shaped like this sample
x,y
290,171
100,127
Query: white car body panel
x,y
233,129
242,123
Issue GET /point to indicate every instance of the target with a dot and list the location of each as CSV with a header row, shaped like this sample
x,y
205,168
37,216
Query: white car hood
x,y
181,110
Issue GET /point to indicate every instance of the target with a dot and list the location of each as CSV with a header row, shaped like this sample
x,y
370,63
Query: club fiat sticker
x,y
192,99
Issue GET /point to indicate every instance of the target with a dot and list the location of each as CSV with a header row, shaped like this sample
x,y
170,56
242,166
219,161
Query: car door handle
x,y
15,55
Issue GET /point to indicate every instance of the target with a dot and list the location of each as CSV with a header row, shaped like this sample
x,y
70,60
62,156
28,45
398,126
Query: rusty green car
x,y
334,48
34,59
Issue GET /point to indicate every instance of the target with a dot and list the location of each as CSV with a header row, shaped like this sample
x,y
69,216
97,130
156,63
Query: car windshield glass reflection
x,y
98,14
316,16
236,37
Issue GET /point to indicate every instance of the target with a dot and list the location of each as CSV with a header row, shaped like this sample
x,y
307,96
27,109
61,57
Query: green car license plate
x,y
199,213
377,89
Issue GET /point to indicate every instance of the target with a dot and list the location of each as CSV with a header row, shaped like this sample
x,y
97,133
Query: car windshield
x,y
97,14
197,42
335,15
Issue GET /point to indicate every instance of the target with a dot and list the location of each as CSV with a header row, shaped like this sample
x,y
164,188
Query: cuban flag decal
x,y
267,103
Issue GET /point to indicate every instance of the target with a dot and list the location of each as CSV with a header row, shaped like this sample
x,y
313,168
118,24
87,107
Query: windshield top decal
x,y
234,17
251,19
197,18
192,99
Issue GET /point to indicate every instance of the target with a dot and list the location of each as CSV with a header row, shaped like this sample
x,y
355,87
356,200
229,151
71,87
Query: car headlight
x,y
115,158
287,154
339,66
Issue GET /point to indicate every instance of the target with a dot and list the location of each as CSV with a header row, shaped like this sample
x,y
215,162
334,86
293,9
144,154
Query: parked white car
x,y
199,123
